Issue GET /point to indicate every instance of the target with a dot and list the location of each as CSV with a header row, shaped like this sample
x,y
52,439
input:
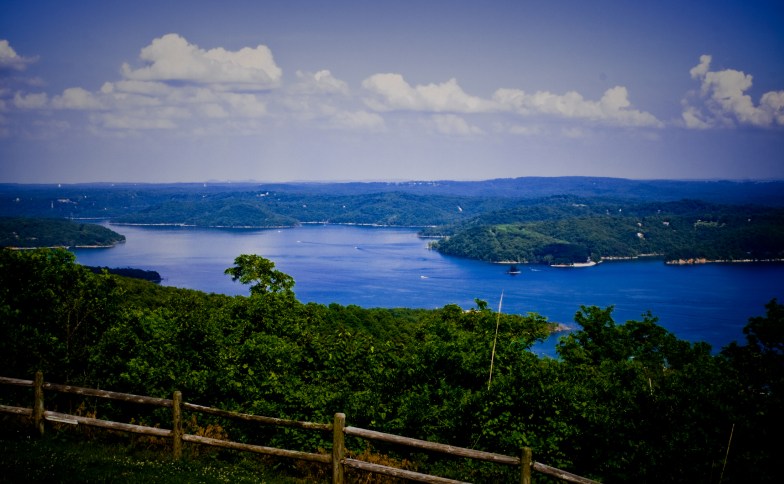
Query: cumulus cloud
x,y
363,120
173,58
135,122
517,129
613,107
31,101
392,92
451,124
178,85
9,59
722,100
213,86
321,82
76,98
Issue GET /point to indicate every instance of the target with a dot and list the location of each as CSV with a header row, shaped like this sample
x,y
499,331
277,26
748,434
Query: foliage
x,y
683,230
261,274
52,313
623,402
407,203
43,232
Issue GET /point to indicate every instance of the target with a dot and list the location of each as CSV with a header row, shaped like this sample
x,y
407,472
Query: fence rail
x,y
337,459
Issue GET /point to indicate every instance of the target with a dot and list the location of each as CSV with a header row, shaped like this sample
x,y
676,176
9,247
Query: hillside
x,y
435,202
538,220
44,232
575,232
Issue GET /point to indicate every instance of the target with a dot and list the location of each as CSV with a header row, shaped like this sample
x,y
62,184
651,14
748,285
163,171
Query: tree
x,y
261,274
52,311
759,396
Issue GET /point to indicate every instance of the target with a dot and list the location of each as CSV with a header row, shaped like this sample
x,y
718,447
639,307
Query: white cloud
x,y
722,100
76,98
147,88
180,86
701,69
451,124
244,105
392,92
134,121
326,101
693,118
574,132
613,107
773,102
357,120
9,59
521,130
322,82
173,58
31,101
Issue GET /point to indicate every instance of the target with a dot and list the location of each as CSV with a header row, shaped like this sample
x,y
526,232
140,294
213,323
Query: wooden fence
x,y
338,460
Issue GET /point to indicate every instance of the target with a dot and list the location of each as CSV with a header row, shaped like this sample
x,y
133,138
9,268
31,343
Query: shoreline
x,y
702,260
349,224
67,247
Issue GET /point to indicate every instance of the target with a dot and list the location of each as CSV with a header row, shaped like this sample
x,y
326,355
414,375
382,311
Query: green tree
x,y
261,274
52,311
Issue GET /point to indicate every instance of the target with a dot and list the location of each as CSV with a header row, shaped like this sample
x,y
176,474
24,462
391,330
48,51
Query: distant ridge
x,y
384,203
767,192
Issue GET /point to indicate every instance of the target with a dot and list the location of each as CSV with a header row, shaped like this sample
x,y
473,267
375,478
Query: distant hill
x,y
42,232
416,203
565,234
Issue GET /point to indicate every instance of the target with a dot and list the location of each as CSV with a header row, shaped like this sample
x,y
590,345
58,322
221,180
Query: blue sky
x,y
389,90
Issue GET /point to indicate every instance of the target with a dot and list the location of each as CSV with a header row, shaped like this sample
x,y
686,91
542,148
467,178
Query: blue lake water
x,y
392,267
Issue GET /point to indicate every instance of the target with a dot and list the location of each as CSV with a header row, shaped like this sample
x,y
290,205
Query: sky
x,y
275,91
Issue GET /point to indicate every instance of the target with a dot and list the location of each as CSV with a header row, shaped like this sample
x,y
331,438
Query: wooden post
x,y
177,425
525,465
38,406
338,448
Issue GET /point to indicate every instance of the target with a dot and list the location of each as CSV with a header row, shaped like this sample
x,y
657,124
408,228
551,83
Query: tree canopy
x,y
623,402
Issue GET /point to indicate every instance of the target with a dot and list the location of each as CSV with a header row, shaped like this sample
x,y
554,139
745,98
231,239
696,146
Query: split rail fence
x,y
337,460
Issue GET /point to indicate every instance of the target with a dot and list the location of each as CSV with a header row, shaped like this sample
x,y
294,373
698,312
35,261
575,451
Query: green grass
x,y
67,457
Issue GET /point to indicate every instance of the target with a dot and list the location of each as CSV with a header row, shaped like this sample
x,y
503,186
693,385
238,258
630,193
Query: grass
x,y
63,457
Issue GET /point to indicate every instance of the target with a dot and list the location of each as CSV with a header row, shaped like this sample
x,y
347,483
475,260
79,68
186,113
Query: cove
x,y
392,267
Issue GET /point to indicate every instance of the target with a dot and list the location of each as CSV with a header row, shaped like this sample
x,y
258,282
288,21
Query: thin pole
x,y
497,323
726,454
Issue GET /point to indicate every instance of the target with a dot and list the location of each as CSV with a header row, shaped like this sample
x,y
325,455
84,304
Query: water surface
x,y
392,267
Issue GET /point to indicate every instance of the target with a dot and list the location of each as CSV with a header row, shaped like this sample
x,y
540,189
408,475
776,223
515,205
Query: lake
x,y
392,267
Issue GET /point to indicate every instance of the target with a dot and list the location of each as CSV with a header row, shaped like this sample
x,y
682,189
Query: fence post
x,y
177,425
526,463
38,407
338,448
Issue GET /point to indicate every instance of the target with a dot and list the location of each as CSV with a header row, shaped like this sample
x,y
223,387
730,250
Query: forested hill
x,y
30,232
563,231
544,220
401,203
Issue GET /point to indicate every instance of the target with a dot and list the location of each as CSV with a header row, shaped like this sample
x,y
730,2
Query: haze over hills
x,y
107,200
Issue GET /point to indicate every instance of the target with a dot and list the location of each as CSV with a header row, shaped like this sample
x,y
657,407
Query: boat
x,y
513,270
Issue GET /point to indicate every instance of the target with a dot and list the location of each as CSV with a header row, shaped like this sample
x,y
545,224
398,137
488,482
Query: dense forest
x,y
405,203
21,232
535,220
565,231
623,402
